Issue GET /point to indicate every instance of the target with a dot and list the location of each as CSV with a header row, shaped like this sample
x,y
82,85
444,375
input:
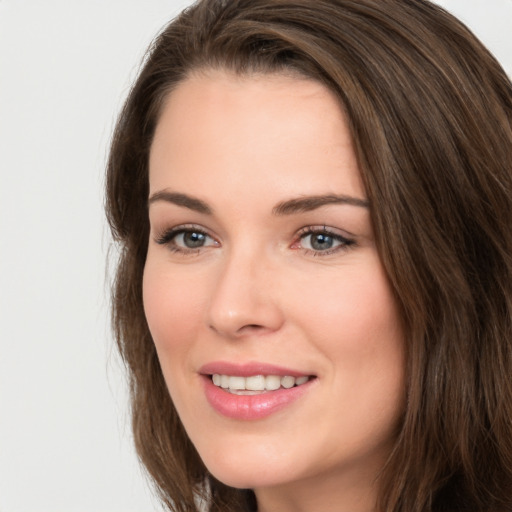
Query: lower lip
x,y
251,407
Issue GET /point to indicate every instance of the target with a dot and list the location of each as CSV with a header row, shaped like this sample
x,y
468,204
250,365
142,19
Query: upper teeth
x,y
257,382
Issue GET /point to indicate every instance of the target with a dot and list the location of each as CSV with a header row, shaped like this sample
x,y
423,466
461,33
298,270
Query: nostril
x,y
250,328
244,316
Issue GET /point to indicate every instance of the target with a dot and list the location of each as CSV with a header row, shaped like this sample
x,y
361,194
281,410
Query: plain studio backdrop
x,y
65,69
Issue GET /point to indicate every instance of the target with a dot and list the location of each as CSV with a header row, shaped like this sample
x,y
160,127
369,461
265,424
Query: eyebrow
x,y
289,207
309,203
192,203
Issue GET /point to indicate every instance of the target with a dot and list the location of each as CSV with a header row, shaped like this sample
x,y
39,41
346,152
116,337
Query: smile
x,y
256,384
253,390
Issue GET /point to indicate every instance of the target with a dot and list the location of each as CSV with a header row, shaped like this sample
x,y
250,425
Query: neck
x,y
353,492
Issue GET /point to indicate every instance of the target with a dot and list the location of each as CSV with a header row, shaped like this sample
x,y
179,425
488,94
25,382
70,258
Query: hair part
x,y
430,112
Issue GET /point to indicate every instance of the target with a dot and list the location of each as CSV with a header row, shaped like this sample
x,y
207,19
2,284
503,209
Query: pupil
x,y
320,242
193,239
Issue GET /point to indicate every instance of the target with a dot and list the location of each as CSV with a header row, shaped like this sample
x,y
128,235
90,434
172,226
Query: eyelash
x,y
344,242
168,238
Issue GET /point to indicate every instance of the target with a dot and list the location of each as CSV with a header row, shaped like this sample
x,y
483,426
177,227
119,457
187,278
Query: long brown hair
x,y
430,112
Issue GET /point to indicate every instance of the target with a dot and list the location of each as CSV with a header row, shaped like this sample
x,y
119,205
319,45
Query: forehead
x,y
268,132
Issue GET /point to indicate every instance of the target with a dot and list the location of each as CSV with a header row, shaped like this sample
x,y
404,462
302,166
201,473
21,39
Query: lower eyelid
x,y
166,235
168,239
343,243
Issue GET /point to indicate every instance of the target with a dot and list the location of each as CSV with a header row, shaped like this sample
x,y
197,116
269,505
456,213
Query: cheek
x,y
356,306
354,321
172,306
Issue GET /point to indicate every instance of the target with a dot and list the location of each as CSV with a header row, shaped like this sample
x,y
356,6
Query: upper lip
x,y
249,369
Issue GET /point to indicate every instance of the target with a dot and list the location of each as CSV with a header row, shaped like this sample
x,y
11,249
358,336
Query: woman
x,y
313,202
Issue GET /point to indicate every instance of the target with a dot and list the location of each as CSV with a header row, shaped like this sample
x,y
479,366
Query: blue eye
x,y
183,239
322,241
191,239
319,241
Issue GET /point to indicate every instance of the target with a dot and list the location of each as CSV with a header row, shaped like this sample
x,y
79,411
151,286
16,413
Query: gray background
x,y
65,68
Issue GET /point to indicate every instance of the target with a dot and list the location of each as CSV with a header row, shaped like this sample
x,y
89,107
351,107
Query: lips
x,y
256,383
252,391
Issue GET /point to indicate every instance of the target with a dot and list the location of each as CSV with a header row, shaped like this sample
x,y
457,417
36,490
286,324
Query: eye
x,y
322,241
186,239
191,239
319,241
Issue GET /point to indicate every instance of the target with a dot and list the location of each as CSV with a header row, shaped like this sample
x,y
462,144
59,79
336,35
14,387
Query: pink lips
x,y
250,407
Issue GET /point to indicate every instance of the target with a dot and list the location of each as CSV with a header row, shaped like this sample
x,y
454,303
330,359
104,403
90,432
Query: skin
x,y
258,290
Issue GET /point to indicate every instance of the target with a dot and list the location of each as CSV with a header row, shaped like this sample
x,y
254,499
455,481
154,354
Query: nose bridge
x,y
243,300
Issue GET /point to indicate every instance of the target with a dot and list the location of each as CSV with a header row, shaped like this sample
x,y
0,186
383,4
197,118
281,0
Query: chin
x,y
248,477
248,470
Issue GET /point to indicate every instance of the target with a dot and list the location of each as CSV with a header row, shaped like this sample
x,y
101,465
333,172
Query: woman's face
x,y
262,273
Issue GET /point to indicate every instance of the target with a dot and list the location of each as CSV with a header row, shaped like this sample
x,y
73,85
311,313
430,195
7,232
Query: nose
x,y
244,299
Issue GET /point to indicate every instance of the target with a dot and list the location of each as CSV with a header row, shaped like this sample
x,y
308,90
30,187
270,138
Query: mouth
x,y
257,384
253,391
